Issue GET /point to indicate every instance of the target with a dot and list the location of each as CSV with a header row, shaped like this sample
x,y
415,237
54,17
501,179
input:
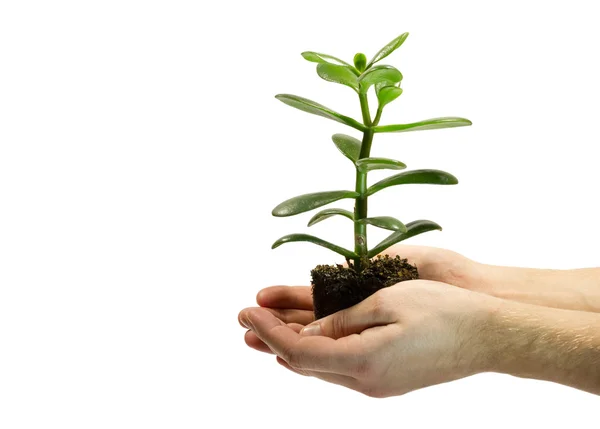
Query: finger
x,y
342,380
369,313
303,317
437,264
256,343
304,353
298,297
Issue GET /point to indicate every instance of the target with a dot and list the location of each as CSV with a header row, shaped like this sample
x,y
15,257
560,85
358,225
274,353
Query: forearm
x,y
544,343
567,289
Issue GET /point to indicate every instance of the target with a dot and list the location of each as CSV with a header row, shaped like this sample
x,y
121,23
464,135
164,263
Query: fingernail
x,y
314,329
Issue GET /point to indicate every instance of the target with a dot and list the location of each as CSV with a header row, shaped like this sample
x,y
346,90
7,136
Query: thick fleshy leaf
x,y
315,57
315,108
430,177
387,94
348,145
379,86
385,222
368,164
327,213
385,75
338,74
312,239
412,228
388,49
428,124
307,202
360,62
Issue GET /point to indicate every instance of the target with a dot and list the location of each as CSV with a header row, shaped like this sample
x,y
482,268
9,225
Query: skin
x,y
460,319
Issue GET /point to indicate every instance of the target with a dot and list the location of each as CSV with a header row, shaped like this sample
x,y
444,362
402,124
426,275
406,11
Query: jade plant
x,y
384,80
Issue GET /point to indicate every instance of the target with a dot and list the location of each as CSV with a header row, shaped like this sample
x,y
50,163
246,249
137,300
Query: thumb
x,y
353,320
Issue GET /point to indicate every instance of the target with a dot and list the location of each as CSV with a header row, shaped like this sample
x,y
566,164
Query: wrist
x,y
484,278
557,345
502,338
566,289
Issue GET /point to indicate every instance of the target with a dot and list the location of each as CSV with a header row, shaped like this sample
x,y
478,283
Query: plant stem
x,y
360,208
364,108
377,117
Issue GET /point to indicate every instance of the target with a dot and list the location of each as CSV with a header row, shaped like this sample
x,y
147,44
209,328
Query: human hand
x,y
402,338
294,306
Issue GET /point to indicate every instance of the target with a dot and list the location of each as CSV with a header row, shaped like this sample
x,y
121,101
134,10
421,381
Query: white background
x,y
141,152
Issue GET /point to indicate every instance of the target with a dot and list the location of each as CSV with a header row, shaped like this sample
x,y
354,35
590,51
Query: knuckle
x,y
379,306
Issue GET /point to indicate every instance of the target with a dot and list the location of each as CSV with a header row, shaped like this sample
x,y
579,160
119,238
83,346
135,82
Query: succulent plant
x,y
385,81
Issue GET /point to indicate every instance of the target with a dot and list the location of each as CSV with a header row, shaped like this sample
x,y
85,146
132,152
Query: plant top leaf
x,y
327,213
348,145
338,74
360,62
315,108
412,228
307,202
388,49
387,75
312,239
387,94
315,57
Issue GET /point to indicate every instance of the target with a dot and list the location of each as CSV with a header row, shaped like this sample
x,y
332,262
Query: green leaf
x,y
388,49
338,74
387,75
430,177
360,62
315,108
387,94
312,239
412,228
379,86
315,57
348,145
307,202
428,124
368,164
385,222
327,213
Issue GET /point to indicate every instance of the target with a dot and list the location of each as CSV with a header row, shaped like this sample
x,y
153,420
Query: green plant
x,y
385,80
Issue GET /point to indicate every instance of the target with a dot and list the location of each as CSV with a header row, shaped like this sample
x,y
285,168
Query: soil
x,y
335,287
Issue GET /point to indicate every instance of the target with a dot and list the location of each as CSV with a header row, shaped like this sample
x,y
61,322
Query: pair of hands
x,y
408,336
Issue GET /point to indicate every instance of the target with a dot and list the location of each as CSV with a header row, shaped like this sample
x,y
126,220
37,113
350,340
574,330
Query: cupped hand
x,y
402,338
293,305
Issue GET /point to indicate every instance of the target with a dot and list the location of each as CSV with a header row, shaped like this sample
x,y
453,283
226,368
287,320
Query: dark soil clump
x,y
335,287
